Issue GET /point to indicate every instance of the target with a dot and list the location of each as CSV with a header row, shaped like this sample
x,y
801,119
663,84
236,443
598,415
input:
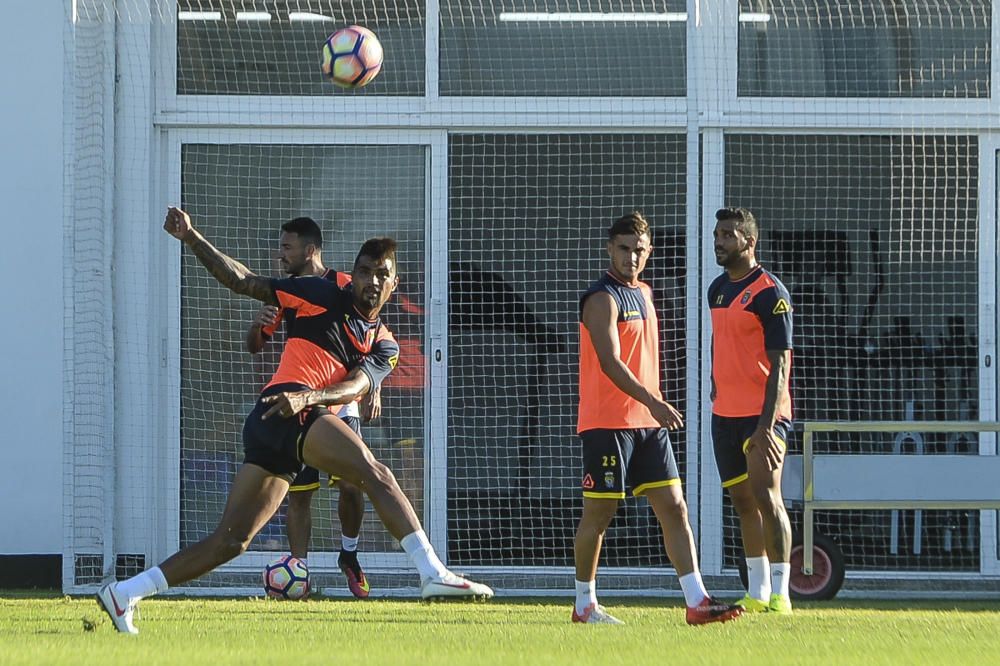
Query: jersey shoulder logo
x,y
781,307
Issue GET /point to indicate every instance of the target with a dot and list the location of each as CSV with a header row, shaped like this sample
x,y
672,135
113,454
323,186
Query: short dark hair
x,y
379,249
632,223
306,228
746,223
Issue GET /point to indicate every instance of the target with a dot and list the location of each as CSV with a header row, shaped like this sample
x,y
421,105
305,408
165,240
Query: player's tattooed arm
x,y
355,385
290,403
777,381
229,272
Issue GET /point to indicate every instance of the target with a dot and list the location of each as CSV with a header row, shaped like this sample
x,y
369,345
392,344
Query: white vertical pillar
x,y
88,470
436,450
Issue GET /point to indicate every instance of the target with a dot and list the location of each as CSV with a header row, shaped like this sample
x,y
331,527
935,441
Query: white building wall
x,y
31,265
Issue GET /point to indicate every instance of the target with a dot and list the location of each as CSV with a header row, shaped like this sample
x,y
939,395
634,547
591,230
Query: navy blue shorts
x,y
730,436
308,478
641,458
276,444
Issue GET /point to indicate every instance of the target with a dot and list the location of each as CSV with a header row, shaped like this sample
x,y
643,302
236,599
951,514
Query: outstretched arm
x,y
229,272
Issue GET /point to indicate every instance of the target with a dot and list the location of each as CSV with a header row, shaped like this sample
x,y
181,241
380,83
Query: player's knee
x,y
768,500
593,528
228,546
674,507
375,473
349,491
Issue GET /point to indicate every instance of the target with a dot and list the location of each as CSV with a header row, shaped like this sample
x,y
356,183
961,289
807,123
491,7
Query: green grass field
x,y
36,629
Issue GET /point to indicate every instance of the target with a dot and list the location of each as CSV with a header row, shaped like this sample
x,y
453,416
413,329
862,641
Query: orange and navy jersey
x,y
327,336
342,280
750,316
602,404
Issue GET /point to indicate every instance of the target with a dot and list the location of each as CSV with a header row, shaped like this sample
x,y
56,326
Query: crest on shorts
x,y
609,479
588,482
746,297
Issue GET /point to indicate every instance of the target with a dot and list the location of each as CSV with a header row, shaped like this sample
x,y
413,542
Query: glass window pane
x,y
250,47
239,196
877,48
549,48
528,218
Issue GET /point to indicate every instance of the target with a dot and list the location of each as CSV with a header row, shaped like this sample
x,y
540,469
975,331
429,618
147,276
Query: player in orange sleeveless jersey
x,y
338,351
751,405
624,422
300,249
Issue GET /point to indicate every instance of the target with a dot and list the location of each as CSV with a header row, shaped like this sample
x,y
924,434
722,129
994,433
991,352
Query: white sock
x,y
350,544
694,588
779,577
759,578
422,553
146,584
586,594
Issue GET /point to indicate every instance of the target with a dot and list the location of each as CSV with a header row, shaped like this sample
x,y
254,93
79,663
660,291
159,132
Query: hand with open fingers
x,y
285,405
763,443
177,223
266,316
666,415
371,405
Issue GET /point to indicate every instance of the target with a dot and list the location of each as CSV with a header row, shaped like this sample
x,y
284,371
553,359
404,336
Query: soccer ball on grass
x,y
286,578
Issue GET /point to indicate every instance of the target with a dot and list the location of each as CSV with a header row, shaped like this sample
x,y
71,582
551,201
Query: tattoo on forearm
x,y
775,387
231,273
353,387
339,394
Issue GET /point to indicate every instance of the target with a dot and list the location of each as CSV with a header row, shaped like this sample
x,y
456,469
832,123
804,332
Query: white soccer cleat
x,y
119,610
595,614
451,586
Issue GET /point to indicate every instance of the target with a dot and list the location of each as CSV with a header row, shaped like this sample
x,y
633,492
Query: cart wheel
x,y
828,570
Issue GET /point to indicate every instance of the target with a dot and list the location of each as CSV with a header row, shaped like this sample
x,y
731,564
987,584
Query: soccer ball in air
x,y
352,57
286,578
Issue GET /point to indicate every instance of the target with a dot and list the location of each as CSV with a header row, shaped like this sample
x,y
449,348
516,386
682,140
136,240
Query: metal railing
x,y
876,481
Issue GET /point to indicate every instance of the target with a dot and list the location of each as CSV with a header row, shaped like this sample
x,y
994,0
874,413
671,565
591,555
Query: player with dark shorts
x,y
308,478
642,456
623,422
338,352
731,440
300,252
367,341
751,404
